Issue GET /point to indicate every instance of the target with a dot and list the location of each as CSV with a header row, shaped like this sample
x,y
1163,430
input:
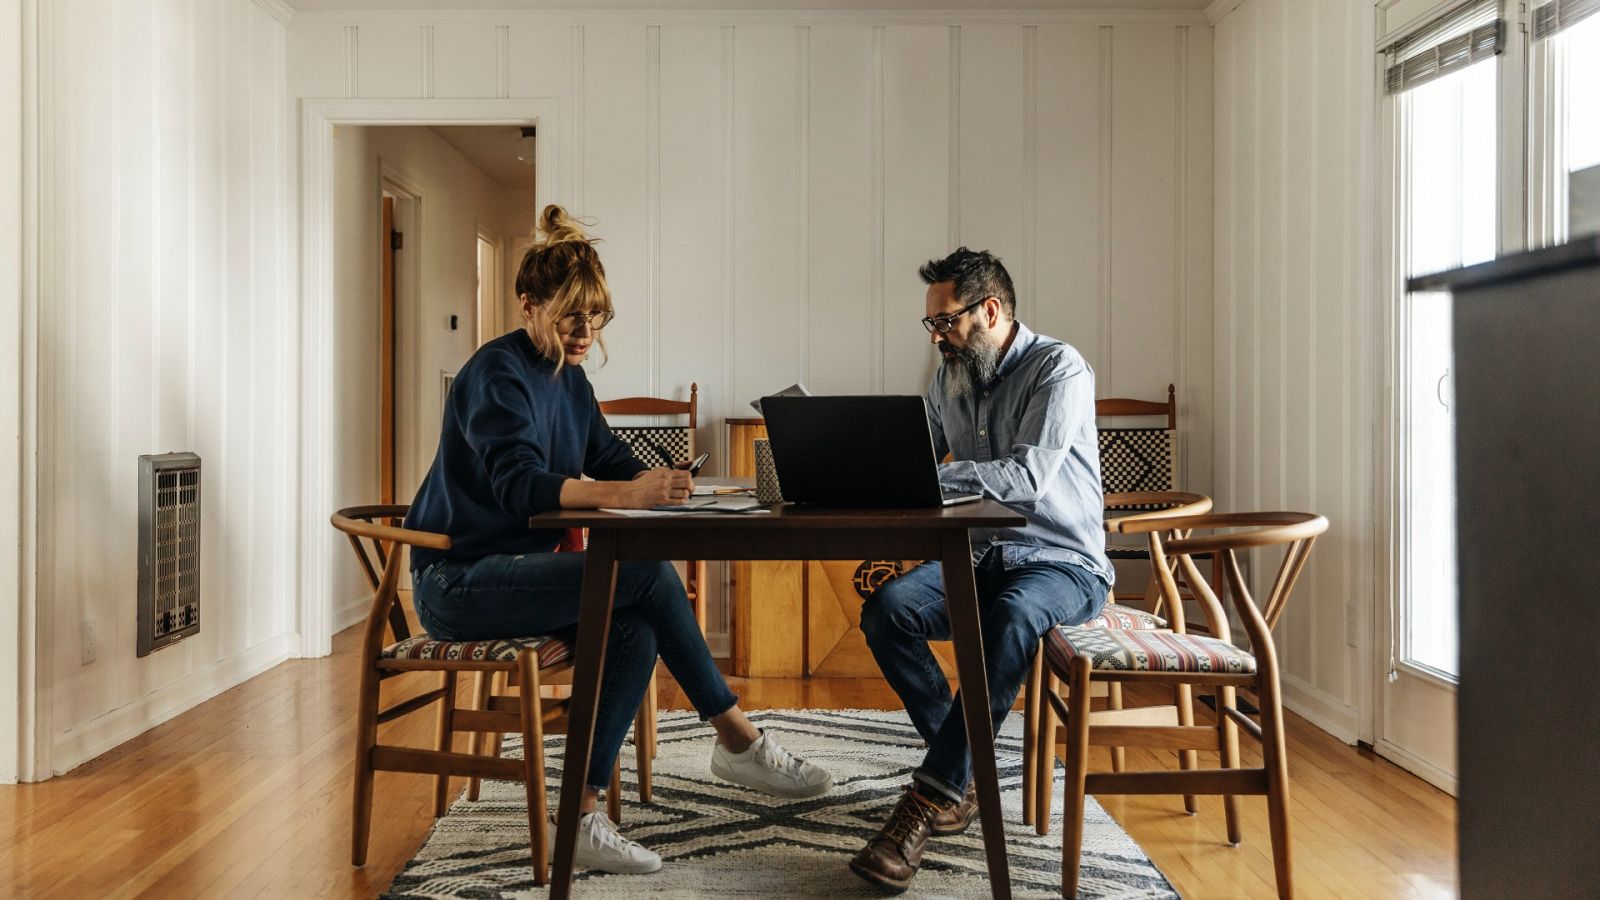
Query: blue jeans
x,y
1016,607
507,595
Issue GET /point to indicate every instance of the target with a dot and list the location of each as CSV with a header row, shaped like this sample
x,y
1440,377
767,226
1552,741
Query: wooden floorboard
x,y
248,795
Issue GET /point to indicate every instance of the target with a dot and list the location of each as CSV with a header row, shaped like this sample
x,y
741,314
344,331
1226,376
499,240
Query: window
x,y
1444,86
1569,37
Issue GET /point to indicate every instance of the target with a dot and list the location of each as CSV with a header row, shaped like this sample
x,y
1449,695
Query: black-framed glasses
x,y
569,323
944,323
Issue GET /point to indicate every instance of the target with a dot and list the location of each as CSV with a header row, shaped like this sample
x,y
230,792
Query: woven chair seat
x,y
552,651
1115,615
1135,650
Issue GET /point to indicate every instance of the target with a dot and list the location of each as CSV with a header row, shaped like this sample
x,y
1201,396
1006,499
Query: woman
x,y
521,425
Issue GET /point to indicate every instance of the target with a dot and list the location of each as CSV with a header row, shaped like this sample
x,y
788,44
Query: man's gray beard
x,y
973,365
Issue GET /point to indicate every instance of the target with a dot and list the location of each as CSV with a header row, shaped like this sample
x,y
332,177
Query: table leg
x,y
589,654
961,603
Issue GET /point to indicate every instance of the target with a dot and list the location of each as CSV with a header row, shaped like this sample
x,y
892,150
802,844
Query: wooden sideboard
x,y
770,600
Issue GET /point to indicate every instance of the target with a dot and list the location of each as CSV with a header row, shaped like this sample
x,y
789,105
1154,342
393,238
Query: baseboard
x,y
1321,709
107,732
350,612
1417,766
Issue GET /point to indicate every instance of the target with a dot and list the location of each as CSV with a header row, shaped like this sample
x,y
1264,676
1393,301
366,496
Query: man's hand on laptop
x,y
657,487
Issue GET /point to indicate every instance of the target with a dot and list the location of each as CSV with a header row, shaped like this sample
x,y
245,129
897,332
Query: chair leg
x,y
614,793
1044,757
1276,762
655,725
1228,747
1030,737
478,741
1183,697
1119,756
533,764
643,733
366,740
445,743
1077,764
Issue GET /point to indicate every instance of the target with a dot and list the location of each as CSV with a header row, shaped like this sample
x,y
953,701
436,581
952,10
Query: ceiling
x,y
492,148
974,5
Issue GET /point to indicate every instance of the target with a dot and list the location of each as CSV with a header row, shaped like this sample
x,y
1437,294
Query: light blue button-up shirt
x,y
1028,439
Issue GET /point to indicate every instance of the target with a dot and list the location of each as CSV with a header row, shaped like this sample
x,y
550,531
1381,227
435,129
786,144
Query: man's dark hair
x,y
977,274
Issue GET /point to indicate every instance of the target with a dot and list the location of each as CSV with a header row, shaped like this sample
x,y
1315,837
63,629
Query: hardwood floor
x,y
248,795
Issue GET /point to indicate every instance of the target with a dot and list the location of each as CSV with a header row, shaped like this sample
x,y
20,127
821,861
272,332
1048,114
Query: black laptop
x,y
855,451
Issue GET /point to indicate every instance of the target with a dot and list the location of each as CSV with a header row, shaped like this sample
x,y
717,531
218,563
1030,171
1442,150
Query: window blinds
x,y
1558,14
1468,33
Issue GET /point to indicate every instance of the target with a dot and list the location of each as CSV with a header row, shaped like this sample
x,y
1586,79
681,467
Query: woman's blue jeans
x,y
1016,607
528,594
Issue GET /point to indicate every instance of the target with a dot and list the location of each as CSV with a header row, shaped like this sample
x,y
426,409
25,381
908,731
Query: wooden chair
x,y
1039,732
382,658
1140,459
1084,656
648,443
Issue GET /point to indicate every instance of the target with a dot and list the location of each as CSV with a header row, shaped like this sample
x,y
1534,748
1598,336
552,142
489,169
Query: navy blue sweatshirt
x,y
514,431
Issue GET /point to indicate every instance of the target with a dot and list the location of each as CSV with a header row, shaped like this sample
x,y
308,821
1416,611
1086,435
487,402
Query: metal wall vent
x,y
169,549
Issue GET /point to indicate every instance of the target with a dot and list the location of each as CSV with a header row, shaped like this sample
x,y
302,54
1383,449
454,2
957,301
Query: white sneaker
x,y
601,847
769,768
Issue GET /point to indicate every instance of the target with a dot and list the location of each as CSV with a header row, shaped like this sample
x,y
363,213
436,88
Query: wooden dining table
x,y
785,531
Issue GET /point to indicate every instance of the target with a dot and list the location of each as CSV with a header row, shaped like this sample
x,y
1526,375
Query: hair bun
x,y
557,227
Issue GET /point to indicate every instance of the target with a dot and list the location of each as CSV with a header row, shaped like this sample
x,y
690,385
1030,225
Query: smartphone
x,y
694,467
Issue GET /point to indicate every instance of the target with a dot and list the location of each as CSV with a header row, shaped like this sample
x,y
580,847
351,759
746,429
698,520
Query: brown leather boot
x,y
890,860
956,818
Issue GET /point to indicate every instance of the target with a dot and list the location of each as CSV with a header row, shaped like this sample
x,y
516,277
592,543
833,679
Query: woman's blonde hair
x,y
561,273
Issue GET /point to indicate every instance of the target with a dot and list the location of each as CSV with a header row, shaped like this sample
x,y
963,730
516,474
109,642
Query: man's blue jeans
x,y
1016,607
528,594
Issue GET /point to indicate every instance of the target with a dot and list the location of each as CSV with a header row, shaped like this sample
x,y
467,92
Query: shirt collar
x,y
1019,348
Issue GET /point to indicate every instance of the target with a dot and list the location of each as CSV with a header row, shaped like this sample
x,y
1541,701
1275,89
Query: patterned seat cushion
x,y
1135,650
1115,615
552,651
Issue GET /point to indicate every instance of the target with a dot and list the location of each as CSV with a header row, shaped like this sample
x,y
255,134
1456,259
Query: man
x,y
1016,412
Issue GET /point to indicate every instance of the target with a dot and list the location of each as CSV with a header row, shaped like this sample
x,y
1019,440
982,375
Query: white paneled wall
x,y
166,322
767,184
1296,323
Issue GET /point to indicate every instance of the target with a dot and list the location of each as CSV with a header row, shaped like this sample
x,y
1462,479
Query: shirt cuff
x,y
547,491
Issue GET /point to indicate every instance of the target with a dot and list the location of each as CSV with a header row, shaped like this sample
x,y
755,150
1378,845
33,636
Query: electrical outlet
x,y
1352,624
89,633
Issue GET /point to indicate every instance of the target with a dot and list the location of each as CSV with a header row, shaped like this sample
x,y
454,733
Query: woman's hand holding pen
x,y
653,487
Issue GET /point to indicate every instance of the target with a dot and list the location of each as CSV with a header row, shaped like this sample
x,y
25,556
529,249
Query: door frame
x,y
318,117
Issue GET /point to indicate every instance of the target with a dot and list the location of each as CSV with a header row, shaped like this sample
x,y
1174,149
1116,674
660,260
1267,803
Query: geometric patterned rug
x,y
719,840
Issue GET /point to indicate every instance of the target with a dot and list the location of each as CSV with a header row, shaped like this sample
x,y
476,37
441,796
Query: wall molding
x,y
1321,708
759,17
1417,766
1219,9
1105,259
278,9
89,740
26,712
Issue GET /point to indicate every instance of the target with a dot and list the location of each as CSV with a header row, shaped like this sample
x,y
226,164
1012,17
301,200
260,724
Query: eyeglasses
x,y
944,323
569,323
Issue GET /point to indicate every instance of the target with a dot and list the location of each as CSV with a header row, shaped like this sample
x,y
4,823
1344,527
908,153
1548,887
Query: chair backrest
x,y
649,442
1155,505
384,545
1135,459
1296,531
